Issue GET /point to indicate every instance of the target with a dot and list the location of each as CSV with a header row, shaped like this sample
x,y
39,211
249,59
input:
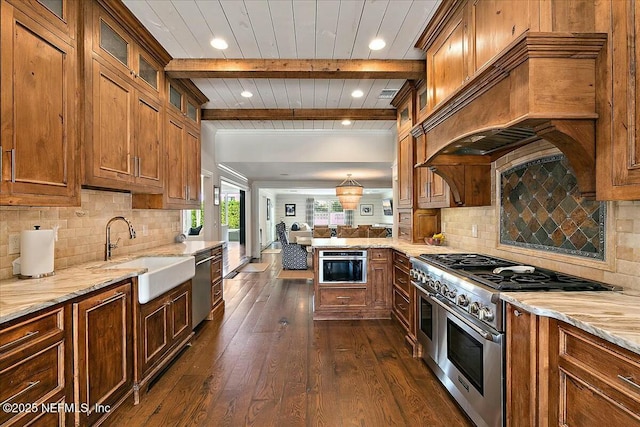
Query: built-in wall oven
x,y
342,266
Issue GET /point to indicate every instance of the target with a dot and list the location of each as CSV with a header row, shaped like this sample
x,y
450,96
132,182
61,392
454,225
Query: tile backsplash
x,y
81,233
622,251
541,208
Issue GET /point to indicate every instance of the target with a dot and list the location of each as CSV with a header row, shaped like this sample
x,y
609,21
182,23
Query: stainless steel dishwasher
x,y
201,288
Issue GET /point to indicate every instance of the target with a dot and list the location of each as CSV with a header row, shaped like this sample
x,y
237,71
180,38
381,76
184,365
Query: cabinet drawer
x,y
404,233
401,278
378,254
401,260
401,306
216,293
600,361
404,218
33,379
31,331
216,270
343,297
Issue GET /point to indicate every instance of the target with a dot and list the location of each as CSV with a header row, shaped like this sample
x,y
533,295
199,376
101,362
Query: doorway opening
x,y
232,218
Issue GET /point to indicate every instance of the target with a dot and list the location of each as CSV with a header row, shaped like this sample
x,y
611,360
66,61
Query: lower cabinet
x,y
103,363
557,374
404,299
370,300
32,370
217,296
599,382
163,328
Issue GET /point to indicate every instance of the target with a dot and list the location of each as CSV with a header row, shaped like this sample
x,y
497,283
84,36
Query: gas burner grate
x,y
530,278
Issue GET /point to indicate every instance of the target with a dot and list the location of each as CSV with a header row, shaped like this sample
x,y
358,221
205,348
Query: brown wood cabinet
x,y
379,278
371,300
557,374
599,381
405,171
217,291
618,130
163,328
33,352
125,149
531,369
183,151
39,108
103,363
404,298
431,190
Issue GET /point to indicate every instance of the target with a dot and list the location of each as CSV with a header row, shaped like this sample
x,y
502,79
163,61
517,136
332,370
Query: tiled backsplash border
x,y
541,209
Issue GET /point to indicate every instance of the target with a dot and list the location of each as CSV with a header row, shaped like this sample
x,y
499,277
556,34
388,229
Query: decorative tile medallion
x,y
541,208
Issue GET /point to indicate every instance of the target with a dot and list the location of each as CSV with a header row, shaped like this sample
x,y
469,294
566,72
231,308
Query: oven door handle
x,y
342,258
484,334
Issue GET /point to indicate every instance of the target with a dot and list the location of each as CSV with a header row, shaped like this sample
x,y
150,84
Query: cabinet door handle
x,y
629,380
402,307
112,298
343,297
31,385
1,155
17,340
13,165
404,282
517,313
139,166
217,293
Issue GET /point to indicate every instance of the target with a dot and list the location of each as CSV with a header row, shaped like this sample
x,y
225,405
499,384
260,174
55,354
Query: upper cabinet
x,y
40,147
124,124
618,129
183,151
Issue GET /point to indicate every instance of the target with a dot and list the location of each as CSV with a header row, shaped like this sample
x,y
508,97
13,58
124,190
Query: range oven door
x,y
471,357
427,324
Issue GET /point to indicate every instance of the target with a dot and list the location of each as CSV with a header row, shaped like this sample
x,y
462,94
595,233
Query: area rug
x,y
295,274
255,267
272,251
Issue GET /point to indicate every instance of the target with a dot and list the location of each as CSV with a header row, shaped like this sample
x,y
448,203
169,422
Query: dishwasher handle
x,y
202,261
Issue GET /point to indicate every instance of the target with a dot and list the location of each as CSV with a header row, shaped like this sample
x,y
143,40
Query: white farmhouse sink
x,y
163,274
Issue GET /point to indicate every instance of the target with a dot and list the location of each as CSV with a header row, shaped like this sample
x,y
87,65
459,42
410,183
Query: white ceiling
x,y
292,29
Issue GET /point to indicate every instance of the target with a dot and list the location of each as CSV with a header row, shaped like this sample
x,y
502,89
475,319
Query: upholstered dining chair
x,y
294,257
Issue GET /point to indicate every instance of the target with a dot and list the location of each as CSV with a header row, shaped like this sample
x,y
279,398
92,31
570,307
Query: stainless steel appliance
x,y
461,322
342,266
201,288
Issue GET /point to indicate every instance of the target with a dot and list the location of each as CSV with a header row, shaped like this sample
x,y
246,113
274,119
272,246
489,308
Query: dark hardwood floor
x,y
265,362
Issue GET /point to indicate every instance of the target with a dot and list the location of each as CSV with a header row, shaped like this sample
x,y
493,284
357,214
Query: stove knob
x,y
485,314
462,300
413,273
452,294
436,286
474,308
444,289
424,279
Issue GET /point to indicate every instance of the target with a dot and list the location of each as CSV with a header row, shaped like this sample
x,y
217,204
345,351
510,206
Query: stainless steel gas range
x,y
461,326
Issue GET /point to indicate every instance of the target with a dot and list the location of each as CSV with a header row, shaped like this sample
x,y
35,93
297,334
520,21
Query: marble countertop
x,y
21,297
410,249
613,316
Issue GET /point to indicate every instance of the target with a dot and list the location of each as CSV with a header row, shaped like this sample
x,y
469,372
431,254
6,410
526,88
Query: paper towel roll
x,y
36,253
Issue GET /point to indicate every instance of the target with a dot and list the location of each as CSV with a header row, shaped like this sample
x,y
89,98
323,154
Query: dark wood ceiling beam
x,y
300,114
190,68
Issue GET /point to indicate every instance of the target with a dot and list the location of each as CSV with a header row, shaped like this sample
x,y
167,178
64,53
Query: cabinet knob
x,y
517,313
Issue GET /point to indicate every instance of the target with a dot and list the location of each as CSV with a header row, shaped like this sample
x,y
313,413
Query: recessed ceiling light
x,y
377,44
219,44
357,93
346,122
246,94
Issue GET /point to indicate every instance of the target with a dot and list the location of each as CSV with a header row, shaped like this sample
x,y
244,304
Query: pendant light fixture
x,y
349,193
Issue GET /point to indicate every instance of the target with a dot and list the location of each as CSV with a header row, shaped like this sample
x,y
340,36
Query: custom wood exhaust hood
x,y
542,87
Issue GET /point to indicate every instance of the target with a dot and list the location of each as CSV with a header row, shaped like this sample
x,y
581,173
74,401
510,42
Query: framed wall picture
x,y
216,195
366,210
290,209
268,209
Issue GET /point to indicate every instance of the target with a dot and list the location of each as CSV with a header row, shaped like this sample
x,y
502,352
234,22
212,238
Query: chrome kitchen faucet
x,y
108,245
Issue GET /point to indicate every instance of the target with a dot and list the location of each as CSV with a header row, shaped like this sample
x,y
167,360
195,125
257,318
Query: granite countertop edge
x,y
608,315
20,297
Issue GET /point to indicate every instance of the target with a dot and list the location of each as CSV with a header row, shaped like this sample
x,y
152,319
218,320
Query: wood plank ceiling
x,y
292,30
